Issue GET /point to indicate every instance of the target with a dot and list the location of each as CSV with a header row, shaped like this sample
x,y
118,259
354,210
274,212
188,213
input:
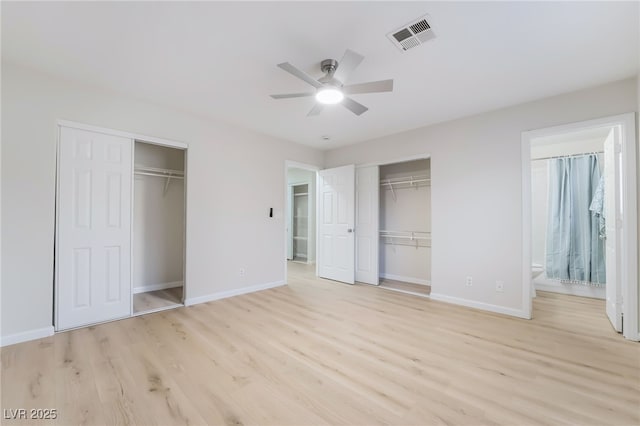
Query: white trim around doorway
x,y
629,255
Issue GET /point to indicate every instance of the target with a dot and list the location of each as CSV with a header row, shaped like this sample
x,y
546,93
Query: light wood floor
x,y
319,352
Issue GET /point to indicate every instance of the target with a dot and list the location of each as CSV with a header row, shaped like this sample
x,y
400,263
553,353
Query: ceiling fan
x,y
330,89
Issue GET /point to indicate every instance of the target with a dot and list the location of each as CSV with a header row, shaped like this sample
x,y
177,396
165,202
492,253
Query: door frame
x,y
629,252
304,166
134,137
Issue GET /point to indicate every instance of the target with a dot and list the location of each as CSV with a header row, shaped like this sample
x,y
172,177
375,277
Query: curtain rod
x,y
568,156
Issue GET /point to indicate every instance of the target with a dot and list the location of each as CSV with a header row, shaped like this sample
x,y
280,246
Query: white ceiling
x,y
218,59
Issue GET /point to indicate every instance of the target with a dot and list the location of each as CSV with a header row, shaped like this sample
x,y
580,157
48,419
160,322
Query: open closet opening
x,y
300,220
158,227
405,227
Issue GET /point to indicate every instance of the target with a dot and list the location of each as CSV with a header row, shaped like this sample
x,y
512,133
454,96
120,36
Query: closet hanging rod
x,y
568,156
411,180
408,245
403,232
168,172
407,235
159,175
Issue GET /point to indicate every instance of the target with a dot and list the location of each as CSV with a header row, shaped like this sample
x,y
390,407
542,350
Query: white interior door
x,y
336,211
612,209
367,220
93,256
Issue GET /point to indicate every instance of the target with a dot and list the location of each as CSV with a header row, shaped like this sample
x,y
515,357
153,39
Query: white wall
x,y
476,177
158,219
410,210
235,176
296,176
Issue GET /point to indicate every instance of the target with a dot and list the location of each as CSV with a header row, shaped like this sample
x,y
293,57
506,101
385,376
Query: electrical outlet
x,y
500,286
469,281
241,272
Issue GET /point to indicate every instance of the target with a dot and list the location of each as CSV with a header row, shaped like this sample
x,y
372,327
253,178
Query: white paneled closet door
x,y
93,256
367,220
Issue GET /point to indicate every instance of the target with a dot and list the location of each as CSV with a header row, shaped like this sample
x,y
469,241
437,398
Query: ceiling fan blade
x,y
370,87
347,64
300,74
353,106
317,109
292,95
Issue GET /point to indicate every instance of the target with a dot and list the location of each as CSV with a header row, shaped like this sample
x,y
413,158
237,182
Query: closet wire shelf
x,y
405,182
406,238
159,172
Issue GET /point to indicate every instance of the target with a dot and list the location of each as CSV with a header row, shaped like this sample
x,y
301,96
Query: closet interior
x,y
158,227
301,215
300,223
405,227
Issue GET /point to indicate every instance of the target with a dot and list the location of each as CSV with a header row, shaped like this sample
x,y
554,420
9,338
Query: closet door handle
x,y
349,230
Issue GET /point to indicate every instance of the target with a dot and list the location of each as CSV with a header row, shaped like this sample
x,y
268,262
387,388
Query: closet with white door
x,y
405,226
120,225
393,226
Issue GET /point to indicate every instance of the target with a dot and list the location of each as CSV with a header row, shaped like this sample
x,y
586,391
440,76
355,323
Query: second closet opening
x,y
158,227
405,227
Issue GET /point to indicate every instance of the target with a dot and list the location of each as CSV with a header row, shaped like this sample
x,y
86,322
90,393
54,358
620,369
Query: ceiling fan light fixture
x,y
329,95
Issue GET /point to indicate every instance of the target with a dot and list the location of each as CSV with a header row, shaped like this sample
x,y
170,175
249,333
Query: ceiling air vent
x,y
412,35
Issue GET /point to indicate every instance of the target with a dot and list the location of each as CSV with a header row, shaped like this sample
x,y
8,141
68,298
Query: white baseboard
x,y
230,293
594,292
412,280
25,336
154,287
519,313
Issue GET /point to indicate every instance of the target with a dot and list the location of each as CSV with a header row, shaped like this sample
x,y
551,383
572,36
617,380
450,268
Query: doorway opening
x,y
580,216
300,218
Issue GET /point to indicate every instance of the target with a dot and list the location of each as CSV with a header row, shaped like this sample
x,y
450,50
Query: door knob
x,y
350,230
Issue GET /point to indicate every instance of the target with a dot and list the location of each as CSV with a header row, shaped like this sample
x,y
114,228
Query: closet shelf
x,y
408,180
411,235
405,182
300,194
155,171
159,172
407,238
300,238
